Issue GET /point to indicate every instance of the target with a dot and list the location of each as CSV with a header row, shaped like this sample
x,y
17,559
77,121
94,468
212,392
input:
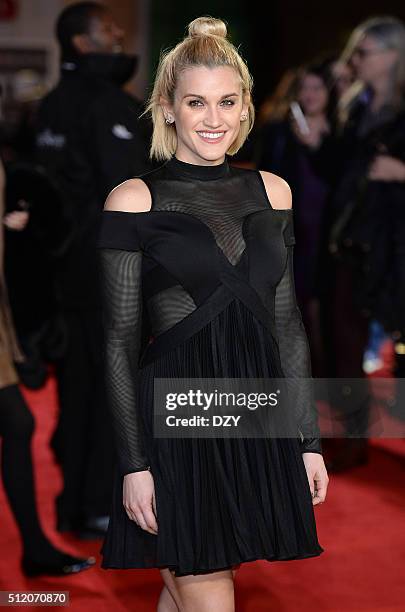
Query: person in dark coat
x,y
363,271
90,138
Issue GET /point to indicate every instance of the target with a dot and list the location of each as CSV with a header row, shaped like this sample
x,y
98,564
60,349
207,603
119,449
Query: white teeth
x,y
212,136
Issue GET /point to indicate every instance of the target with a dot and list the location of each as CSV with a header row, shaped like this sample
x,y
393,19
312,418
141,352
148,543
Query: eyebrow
x,y
202,97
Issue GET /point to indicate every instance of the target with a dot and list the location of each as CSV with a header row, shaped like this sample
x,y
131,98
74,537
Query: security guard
x,y
89,138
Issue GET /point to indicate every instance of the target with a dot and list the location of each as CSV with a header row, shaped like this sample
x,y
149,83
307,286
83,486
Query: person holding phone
x,y
296,127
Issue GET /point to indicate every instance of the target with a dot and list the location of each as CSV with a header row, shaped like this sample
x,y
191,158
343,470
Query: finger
x,y
131,515
150,520
154,503
320,496
140,520
13,224
321,492
143,522
311,482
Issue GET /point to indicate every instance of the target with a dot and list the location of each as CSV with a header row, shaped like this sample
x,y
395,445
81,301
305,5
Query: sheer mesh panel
x,y
296,358
168,307
122,311
224,218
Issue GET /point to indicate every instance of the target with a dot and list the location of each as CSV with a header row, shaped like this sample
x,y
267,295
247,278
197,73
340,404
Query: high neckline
x,y
197,171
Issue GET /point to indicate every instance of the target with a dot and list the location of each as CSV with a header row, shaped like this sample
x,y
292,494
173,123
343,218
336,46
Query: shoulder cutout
x,y
278,190
132,195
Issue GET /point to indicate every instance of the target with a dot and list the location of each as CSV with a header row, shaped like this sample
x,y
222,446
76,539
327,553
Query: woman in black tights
x,y
16,429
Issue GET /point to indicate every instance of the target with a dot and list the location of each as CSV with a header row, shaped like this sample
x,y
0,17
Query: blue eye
x,y
227,102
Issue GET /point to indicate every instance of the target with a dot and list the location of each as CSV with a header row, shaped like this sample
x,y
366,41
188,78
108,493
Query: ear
x,y
81,43
167,108
245,103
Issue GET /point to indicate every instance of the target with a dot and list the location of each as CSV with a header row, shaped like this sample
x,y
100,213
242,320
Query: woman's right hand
x,y
16,220
317,130
139,500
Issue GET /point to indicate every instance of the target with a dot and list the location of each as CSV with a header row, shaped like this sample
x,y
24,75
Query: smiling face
x,y
207,112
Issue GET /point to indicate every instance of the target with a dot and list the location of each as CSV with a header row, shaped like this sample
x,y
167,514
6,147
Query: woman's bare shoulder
x,y
132,195
278,190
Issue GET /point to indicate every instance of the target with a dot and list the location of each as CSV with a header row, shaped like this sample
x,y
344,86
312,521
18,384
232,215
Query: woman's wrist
x,y
143,469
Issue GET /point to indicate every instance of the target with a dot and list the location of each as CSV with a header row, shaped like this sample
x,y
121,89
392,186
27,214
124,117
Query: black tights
x,y
16,430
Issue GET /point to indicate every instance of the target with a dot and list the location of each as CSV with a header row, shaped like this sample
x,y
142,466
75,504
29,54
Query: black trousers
x,y
345,332
83,438
17,426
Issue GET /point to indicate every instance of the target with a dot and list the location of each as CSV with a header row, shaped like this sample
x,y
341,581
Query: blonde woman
x,y
196,267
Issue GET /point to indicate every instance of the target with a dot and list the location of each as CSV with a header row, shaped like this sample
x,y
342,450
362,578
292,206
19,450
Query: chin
x,y
211,152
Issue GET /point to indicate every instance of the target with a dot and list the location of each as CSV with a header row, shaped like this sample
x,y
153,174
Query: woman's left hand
x,y
386,168
317,476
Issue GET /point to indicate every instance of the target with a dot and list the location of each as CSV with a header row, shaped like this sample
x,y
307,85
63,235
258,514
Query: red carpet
x,y
360,526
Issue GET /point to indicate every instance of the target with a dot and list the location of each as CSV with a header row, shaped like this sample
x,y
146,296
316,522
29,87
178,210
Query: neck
x,y
189,170
189,158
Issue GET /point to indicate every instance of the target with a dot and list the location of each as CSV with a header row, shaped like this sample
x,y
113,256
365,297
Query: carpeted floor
x,y
360,526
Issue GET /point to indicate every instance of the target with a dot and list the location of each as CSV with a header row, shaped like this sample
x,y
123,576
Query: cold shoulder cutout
x,y
277,190
132,195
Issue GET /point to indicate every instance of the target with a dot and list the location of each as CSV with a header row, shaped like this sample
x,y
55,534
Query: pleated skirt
x,y
222,501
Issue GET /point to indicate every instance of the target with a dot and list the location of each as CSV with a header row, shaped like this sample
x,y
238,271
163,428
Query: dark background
x,y
271,36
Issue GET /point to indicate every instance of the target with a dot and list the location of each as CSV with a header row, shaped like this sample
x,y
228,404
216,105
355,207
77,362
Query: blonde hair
x,y
206,45
389,32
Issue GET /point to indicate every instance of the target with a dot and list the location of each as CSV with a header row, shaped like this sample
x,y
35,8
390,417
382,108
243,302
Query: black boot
x,y
59,564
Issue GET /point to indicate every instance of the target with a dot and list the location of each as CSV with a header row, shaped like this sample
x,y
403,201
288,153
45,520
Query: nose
x,y
212,117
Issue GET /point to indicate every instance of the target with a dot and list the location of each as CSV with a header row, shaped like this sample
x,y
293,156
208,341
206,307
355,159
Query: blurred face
x,y
342,76
104,36
370,61
313,95
207,112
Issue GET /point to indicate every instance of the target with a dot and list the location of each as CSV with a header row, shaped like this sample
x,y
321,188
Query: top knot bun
x,y
207,26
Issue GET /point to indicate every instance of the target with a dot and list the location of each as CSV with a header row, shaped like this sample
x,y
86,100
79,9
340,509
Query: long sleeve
x,y
121,294
295,354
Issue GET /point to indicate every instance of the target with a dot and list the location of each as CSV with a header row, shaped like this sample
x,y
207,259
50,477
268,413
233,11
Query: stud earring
x,y
243,117
168,120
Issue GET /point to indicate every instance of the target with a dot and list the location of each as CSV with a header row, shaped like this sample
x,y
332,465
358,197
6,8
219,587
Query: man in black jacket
x,y
90,139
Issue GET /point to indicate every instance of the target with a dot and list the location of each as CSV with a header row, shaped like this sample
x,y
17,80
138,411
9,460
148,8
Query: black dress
x,y
202,286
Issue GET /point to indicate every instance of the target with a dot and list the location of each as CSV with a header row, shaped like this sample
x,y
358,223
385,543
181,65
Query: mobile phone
x,y
299,117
